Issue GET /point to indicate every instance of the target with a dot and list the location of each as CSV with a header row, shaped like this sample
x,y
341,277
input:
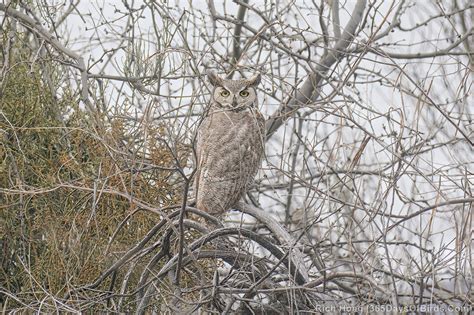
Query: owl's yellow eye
x,y
225,93
244,93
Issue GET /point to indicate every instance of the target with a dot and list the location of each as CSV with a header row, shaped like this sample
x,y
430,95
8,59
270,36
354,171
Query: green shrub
x,y
57,179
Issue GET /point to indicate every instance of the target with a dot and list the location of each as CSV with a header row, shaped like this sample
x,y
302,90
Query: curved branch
x,y
300,279
279,232
202,254
142,243
310,90
197,253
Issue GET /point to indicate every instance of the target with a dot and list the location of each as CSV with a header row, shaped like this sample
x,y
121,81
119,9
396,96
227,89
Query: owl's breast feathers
x,y
230,146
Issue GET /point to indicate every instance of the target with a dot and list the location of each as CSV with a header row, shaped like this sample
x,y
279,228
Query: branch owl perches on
x,y
230,144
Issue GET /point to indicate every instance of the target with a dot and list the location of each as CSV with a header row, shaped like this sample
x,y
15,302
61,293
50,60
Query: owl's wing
x,y
200,140
198,163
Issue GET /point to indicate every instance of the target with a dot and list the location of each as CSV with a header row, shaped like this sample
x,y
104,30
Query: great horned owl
x,y
230,144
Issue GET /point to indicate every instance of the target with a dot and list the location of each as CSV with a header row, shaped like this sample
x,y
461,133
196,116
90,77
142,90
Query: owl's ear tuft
x,y
214,78
255,80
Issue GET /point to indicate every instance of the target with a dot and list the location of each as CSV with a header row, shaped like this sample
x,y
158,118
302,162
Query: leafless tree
x,y
364,200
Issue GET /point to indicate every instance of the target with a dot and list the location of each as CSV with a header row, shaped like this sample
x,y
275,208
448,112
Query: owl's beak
x,y
234,102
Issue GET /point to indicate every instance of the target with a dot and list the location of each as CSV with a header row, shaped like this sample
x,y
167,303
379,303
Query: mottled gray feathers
x,y
230,144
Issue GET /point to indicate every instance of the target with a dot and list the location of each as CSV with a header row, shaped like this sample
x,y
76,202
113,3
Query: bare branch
x,y
309,91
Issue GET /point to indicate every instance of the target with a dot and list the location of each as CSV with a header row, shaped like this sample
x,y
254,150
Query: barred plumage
x,y
230,144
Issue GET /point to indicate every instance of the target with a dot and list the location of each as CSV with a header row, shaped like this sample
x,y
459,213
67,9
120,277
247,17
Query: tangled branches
x,y
364,198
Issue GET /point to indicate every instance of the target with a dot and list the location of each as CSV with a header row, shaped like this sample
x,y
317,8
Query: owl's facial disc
x,y
233,95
